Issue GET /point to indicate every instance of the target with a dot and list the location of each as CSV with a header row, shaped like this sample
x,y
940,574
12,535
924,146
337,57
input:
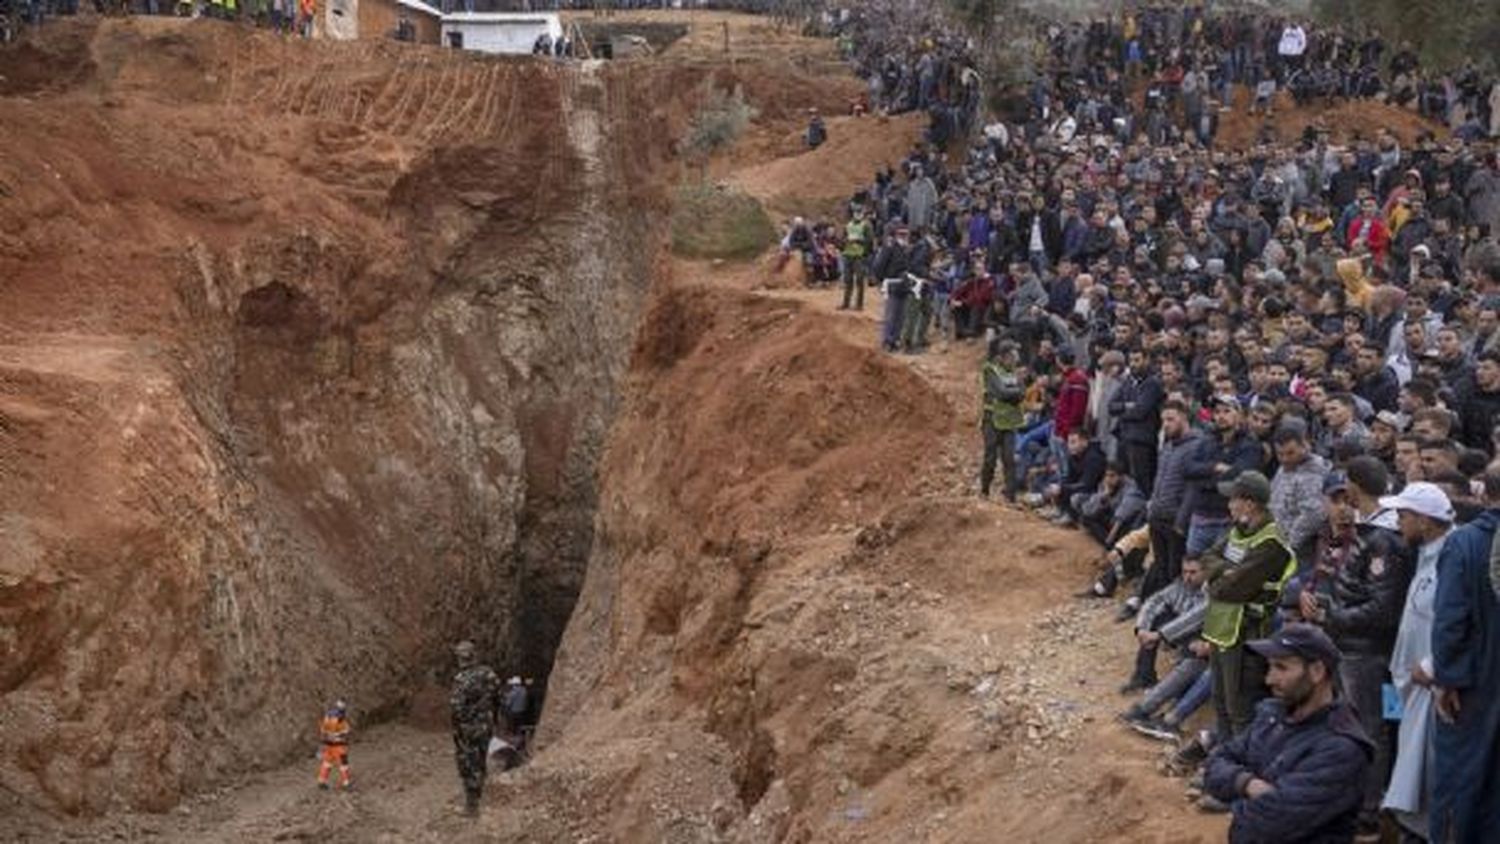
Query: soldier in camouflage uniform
x,y
474,702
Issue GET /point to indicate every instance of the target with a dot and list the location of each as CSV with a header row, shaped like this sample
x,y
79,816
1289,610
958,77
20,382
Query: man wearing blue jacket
x,y
1218,458
1466,681
1293,775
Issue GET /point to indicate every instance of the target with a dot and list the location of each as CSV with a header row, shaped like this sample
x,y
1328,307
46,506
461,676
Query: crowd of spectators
x,y
913,61
1200,61
1203,356
285,16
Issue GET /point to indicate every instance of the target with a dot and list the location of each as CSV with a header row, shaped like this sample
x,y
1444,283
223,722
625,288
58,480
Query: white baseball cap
x,y
1422,498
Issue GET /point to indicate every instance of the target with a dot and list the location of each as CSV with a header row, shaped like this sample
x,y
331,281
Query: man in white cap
x,y
1425,517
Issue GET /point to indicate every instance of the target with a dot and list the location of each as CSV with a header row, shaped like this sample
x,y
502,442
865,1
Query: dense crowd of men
x,y
1265,380
285,16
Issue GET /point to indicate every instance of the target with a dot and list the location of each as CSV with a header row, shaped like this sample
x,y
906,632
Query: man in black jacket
x,y
1179,440
1040,234
1361,608
890,266
1344,184
1217,459
1377,383
1287,775
1137,406
1086,464
1478,402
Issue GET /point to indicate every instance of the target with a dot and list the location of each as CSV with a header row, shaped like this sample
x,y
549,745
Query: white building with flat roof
x,y
513,33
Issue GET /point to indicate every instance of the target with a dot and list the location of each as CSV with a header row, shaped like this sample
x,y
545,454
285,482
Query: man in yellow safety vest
x,y
1247,570
1001,416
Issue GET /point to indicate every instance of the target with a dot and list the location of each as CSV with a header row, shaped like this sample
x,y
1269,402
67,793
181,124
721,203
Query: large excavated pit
x,y
308,355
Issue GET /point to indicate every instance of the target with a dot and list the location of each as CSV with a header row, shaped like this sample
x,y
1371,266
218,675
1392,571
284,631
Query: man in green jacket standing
x,y
859,236
1247,570
1002,417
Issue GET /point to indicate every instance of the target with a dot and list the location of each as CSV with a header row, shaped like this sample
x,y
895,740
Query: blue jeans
x,y
1177,685
895,315
1193,699
1038,435
1241,62
1203,533
1039,261
942,315
1059,453
1032,446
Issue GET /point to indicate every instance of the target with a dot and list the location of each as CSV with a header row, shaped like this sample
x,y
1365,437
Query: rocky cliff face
x,y
305,363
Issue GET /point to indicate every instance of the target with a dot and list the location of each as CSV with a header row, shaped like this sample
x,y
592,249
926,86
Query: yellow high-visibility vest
x,y
1223,622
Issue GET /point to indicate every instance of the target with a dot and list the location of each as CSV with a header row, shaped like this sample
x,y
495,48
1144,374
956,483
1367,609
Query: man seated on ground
x,y
1123,562
1116,508
1083,474
1288,776
817,132
1185,598
798,241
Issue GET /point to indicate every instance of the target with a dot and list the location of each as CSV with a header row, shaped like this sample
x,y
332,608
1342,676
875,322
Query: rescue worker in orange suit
x,y
333,730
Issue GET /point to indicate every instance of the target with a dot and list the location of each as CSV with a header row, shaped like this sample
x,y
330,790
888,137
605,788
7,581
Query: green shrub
x,y
724,117
714,221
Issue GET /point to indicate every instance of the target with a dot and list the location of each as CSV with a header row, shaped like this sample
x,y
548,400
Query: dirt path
x,y
405,789
1077,774
1076,771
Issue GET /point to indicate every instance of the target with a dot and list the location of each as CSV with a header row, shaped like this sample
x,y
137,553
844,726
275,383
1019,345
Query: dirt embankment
x,y
305,363
1344,121
799,624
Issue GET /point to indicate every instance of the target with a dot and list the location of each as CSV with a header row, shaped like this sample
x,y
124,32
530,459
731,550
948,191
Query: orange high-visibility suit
x,y
334,731
306,11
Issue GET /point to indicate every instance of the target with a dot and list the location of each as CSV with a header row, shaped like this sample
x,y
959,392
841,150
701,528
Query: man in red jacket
x,y
972,302
1370,230
1071,407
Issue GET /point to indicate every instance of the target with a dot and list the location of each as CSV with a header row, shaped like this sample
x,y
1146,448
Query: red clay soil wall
x,y
307,355
303,376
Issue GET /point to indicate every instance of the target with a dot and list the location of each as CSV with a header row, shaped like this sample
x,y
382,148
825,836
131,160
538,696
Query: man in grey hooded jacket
x,y
1297,490
921,201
